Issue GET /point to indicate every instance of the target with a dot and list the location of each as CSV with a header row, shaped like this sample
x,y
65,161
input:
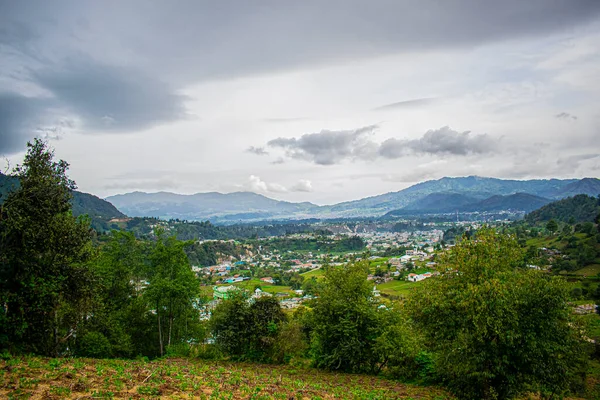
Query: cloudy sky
x,y
320,101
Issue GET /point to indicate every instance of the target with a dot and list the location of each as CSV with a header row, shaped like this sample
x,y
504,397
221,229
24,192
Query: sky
x,y
321,101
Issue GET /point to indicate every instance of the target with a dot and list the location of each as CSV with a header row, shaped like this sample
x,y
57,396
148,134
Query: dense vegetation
x,y
579,208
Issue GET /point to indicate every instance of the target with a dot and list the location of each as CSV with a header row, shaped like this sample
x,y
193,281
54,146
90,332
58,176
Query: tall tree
x,y
172,290
346,321
498,329
45,280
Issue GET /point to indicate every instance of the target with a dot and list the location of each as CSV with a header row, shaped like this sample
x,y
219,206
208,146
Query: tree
x,y
172,291
552,226
498,330
346,321
45,279
247,329
120,317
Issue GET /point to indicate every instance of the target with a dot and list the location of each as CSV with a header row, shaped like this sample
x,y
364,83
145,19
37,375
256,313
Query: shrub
x,y
94,344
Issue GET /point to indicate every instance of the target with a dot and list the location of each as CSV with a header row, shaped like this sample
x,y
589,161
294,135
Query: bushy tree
x,y
246,329
346,322
121,316
552,226
45,279
498,330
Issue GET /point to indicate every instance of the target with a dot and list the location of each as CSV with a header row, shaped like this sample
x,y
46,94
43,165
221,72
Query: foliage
x,y
579,208
346,322
45,279
498,330
172,290
246,329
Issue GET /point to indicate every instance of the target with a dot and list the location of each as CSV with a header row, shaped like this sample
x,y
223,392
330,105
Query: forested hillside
x,y
580,208
100,211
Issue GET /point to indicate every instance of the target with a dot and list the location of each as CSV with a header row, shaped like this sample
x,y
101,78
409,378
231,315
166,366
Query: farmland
x,y
47,378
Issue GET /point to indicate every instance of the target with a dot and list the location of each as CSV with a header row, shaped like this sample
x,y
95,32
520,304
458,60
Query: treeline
x,y
324,244
209,253
59,295
205,230
579,208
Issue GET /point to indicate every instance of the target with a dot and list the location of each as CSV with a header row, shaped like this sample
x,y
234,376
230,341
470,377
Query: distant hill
x,y
580,208
514,202
589,186
476,187
472,193
213,205
441,202
448,203
100,211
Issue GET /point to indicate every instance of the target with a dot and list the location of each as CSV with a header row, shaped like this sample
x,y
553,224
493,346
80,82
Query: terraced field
x,y
47,378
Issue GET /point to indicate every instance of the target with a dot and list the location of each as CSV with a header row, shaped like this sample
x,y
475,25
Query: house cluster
x,y
418,277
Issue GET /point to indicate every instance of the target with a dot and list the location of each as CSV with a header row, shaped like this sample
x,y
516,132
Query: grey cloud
x,y
20,117
303,185
329,147
332,147
203,40
565,115
407,104
109,98
259,151
149,51
443,141
571,163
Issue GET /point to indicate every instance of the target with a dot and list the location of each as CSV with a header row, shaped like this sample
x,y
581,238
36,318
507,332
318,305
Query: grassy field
x,y
46,378
266,287
590,270
398,288
317,273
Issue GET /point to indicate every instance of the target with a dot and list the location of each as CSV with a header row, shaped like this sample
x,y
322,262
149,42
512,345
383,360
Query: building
x,y
223,292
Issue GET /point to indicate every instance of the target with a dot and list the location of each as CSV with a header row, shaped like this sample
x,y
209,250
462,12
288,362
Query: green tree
x,y
247,329
120,314
172,291
346,321
45,279
552,226
498,330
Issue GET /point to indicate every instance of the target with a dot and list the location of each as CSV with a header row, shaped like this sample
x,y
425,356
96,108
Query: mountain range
x,y
471,194
464,194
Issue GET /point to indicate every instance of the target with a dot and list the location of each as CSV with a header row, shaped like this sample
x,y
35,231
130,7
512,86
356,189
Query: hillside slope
x,y
580,208
100,211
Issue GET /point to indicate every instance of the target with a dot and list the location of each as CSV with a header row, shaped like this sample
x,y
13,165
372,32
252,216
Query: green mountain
x,y
513,202
579,208
100,211
441,202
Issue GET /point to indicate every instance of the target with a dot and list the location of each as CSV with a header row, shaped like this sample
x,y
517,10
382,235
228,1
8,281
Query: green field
x,y
265,287
398,288
317,273
590,270
47,378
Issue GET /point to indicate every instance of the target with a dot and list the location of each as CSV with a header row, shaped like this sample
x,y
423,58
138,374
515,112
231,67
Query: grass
x,y
265,287
590,270
398,288
317,273
35,377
